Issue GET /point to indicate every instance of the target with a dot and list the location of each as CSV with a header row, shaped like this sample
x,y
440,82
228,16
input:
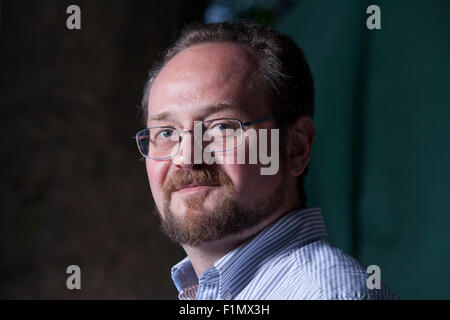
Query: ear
x,y
300,139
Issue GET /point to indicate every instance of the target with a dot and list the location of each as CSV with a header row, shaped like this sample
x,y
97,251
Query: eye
x,y
164,134
222,126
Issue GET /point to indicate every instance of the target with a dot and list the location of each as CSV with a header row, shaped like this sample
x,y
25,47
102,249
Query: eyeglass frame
x,y
182,132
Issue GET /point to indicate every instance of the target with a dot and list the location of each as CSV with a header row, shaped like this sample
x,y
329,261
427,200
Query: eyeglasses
x,y
217,135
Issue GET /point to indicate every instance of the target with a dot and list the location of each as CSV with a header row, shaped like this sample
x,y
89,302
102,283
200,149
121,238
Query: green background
x,y
380,167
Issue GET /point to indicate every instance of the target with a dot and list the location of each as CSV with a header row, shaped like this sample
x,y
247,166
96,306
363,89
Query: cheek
x,y
156,173
245,177
249,183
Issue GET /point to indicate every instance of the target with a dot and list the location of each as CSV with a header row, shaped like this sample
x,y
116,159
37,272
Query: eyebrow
x,y
214,108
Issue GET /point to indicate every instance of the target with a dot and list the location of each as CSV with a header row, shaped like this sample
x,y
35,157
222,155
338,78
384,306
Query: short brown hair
x,y
281,67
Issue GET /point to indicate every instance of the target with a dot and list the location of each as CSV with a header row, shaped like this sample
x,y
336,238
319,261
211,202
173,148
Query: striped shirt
x,y
289,259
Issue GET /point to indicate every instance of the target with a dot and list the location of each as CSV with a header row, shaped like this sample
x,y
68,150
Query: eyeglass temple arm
x,y
259,120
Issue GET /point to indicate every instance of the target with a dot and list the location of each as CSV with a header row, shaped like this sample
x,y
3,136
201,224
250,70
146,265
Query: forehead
x,y
205,75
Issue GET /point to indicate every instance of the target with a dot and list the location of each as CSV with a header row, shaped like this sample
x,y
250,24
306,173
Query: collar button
x,y
227,296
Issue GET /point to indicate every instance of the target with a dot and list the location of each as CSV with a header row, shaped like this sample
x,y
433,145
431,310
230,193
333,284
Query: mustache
x,y
185,177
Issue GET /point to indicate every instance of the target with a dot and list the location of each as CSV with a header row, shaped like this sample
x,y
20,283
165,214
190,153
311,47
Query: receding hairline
x,y
250,59
243,59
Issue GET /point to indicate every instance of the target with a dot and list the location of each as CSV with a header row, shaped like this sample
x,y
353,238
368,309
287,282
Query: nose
x,y
185,157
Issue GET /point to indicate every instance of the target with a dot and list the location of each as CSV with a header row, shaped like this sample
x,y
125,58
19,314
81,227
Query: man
x,y
247,235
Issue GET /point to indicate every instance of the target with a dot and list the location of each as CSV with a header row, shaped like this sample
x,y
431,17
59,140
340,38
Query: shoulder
x,y
338,275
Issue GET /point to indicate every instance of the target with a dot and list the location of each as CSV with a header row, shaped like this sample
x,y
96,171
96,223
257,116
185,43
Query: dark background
x,y
73,190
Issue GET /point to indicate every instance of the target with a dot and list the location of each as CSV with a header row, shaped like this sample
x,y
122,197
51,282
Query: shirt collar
x,y
183,274
238,267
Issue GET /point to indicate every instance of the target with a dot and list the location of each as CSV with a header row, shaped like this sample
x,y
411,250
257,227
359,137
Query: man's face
x,y
204,82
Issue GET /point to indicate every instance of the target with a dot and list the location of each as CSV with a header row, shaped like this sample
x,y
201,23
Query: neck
x,y
204,255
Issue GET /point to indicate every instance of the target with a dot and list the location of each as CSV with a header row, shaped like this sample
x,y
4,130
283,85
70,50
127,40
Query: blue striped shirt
x,y
289,259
